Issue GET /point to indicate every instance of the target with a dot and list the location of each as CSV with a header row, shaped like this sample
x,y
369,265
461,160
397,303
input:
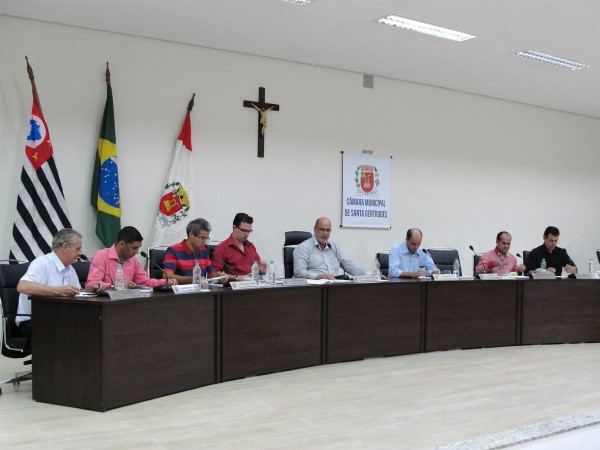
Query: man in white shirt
x,y
319,258
51,275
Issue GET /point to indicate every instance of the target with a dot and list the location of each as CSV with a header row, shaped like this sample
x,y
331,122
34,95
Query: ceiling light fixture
x,y
426,28
542,57
299,2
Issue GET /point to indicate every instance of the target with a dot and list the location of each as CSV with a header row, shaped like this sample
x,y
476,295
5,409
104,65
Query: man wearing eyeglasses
x,y
181,258
556,257
318,258
236,255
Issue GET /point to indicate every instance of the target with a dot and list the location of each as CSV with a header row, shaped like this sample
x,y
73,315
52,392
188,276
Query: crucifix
x,y
262,108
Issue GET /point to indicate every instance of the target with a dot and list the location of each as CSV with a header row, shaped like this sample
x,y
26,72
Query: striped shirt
x,y
180,259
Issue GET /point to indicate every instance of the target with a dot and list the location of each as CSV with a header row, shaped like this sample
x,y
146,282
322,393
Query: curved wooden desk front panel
x,y
100,354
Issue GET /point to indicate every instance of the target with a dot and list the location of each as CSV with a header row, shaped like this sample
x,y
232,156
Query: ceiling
x,y
344,34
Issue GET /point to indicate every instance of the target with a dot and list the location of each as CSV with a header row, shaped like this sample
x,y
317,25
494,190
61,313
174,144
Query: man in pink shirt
x,y
104,262
498,260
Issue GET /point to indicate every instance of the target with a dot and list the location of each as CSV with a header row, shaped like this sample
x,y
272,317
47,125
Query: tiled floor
x,y
410,402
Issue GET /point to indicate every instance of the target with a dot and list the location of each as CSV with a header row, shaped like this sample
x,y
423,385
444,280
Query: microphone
x,y
472,249
85,258
518,254
158,288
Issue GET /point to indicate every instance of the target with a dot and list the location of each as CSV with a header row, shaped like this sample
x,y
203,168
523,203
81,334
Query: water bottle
x,y
255,272
456,268
196,273
377,269
591,266
271,277
543,264
120,278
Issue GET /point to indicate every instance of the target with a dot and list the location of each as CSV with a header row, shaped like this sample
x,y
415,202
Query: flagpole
x,y
107,74
36,99
191,103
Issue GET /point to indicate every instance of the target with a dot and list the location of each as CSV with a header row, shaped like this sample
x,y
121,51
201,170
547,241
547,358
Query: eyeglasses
x,y
324,230
243,230
203,238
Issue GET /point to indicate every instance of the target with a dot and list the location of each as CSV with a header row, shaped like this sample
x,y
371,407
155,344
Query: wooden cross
x,y
262,108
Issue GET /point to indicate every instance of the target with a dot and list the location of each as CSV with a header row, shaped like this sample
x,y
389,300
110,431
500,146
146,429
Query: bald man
x,y
409,260
318,258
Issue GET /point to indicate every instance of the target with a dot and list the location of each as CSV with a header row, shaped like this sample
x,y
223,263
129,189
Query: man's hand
x,y
325,276
570,269
67,291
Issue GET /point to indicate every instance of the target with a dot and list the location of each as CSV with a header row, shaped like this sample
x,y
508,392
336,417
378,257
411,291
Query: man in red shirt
x,y
236,255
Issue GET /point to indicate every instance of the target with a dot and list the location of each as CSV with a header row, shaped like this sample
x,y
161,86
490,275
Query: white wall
x,y
464,166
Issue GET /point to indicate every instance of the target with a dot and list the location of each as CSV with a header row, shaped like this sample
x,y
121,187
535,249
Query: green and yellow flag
x,y
105,181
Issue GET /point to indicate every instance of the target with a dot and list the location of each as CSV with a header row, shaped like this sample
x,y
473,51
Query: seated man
x,y
318,258
51,275
181,258
236,255
498,260
556,258
409,260
104,262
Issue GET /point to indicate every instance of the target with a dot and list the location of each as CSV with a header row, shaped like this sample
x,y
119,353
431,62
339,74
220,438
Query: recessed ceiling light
x,y
425,28
299,2
537,56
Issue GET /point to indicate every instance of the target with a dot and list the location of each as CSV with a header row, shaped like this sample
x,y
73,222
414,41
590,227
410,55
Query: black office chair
x,y
292,239
444,257
13,343
383,256
598,254
526,255
476,259
156,257
82,268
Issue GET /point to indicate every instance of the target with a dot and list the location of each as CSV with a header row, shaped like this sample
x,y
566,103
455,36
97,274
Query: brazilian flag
x,y
105,182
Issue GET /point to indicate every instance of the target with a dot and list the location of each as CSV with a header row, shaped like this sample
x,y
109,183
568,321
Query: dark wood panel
x,y
270,330
471,314
159,347
371,320
560,311
104,354
67,354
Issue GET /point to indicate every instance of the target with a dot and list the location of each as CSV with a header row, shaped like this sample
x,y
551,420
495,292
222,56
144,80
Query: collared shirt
x,y
558,259
107,259
508,263
229,258
180,259
49,270
402,260
311,261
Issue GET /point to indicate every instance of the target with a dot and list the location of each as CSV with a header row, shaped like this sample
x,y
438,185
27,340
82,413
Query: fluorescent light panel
x,y
426,28
299,2
542,57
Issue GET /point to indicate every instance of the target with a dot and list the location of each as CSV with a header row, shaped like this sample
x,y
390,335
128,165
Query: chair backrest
x,y
383,256
476,258
12,340
444,257
82,268
598,255
156,257
292,239
526,255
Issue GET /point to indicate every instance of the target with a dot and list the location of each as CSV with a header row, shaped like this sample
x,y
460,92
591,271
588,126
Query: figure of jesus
x,y
263,117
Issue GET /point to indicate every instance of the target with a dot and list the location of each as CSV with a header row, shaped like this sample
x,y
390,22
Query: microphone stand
x,y
85,258
164,288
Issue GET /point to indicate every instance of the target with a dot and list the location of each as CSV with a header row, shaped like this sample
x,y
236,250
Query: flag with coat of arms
x,y
41,206
177,206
